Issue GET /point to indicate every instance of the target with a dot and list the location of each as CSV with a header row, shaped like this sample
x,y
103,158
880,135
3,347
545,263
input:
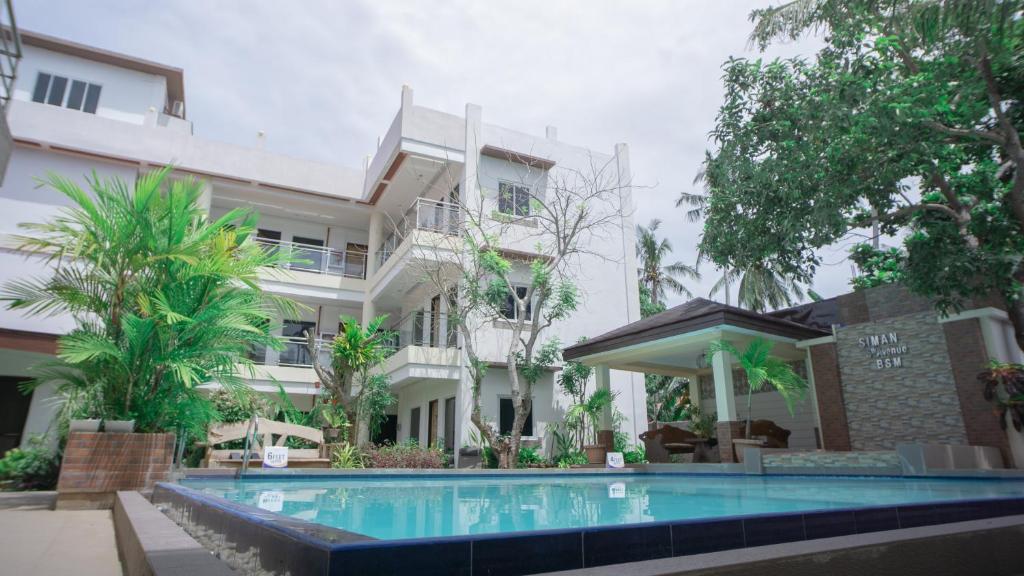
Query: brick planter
x,y
97,465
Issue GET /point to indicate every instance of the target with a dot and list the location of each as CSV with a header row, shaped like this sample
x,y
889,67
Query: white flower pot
x,y
119,426
87,425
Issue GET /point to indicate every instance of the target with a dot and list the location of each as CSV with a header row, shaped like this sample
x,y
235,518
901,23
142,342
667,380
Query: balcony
x,y
424,346
429,215
318,259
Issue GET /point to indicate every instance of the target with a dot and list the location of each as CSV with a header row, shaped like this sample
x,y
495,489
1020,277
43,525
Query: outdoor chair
x,y
662,442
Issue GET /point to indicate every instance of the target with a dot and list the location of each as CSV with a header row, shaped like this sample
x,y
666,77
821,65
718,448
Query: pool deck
x,y
41,541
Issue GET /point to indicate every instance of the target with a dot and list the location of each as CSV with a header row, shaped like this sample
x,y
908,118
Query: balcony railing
x,y
422,328
423,214
10,52
318,259
295,353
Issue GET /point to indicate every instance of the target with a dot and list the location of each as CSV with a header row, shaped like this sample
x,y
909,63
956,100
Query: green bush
x,y
529,455
635,455
571,458
347,456
407,454
34,468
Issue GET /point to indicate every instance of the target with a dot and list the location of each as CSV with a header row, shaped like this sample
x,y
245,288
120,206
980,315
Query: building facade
x,y
359,232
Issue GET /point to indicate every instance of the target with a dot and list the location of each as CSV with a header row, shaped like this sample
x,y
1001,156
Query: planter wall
x,y
97,465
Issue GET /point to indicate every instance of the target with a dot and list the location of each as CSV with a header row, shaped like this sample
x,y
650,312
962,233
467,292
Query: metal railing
x,y
318,259
421,328
10,52
423,214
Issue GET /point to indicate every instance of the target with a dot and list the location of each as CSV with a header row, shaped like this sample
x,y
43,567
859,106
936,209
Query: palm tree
x,y
163,299
654,274
761,288
762,369
354,352
588,412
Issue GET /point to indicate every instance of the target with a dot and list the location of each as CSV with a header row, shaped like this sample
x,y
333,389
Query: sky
x,y
322,79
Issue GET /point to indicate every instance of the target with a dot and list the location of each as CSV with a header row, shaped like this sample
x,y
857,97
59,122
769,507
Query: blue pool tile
x,y
517,555
920,515
423,559
702,537
773,529
829,524
626,545
876,520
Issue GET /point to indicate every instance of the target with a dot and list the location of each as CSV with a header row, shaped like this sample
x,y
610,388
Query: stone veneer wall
x,y
917,402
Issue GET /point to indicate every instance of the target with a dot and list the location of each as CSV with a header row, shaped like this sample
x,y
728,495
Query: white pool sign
x,y
271,501
617,490
614,460
275,457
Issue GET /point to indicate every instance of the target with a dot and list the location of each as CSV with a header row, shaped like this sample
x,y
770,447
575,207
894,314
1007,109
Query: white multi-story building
x,y
77,109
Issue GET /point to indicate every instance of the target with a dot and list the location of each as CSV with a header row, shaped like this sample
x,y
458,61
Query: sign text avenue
x,y
885,348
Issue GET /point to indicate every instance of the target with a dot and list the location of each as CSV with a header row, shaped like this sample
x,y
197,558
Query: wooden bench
x,y
266,431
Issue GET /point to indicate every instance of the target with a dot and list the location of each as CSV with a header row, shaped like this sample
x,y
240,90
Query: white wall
x,y
420,395
126,95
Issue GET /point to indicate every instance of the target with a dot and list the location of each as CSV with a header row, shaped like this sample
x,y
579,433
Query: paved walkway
x,y
39,541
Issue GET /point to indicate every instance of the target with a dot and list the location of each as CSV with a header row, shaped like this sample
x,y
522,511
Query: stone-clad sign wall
x,y
898,383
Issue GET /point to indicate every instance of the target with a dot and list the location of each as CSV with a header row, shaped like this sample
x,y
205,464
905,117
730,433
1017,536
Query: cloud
x,y
323,79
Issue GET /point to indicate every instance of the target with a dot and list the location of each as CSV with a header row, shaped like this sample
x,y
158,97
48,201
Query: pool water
x,y
418,507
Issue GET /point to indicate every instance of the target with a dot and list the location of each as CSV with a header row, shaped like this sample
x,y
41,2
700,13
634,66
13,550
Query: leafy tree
x,y
761,287
524,291
573,381
647,306
655,275
587,414
162,298
763,370
668,398
908,117
876,267
354,353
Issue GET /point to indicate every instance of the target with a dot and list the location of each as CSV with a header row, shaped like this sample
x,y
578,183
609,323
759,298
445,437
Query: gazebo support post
x,y
728,426
605,431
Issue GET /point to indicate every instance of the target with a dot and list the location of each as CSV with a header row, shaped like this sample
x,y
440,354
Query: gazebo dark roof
x,y
697,314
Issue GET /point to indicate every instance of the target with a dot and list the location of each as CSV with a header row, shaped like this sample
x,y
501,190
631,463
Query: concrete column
x,y
551,133
373,241
605,433
205,196
469,190
725,398
695,390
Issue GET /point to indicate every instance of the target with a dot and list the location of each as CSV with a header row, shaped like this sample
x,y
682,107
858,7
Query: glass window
x,y
513,199
414,424
508,415
42,85
81,95
511,311
92,99
295,352
56,96
76,95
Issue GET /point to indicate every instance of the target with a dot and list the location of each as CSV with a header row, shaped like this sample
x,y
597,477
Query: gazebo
x,y
675,343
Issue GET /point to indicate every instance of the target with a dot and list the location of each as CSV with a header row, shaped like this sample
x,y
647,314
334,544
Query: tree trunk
x,y
1015,311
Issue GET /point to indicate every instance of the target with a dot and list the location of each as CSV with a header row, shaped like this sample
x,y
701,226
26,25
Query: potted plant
x,y
84,425
589,412
762,370
1004,387
334,424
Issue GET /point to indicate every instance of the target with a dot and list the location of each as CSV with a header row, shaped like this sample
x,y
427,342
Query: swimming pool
x,y
422,507
440,523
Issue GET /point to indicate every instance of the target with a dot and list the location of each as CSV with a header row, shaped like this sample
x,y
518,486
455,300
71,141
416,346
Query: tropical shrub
x,y
1004,387
635,454
31,468
407,454
163,299
347,456
703,423
530,457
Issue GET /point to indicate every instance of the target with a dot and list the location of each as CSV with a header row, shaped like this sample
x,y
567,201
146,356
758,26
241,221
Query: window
x,y
295,352
513,199
507,414
511,311
414,424
310,252
53,89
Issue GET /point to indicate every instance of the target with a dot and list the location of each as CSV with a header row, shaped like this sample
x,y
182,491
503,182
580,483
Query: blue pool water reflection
x,y
415,507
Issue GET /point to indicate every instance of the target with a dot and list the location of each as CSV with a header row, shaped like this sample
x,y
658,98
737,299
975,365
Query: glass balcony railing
x,y
424,214
295,353
319,260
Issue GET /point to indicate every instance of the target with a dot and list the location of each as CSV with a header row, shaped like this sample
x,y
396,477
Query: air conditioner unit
x,y
178,109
